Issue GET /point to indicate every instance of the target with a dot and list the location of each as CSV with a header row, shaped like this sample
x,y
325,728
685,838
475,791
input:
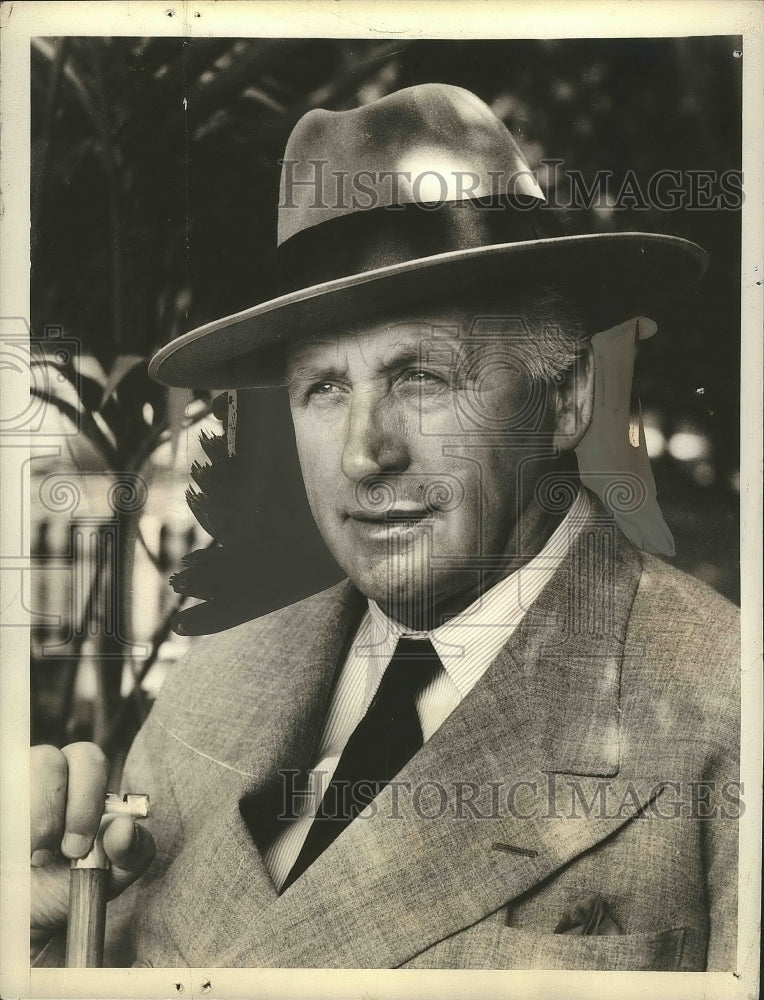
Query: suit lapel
x,y
427,865
276,699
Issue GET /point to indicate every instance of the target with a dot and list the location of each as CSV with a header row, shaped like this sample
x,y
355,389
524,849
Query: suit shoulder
x,y
226,658
298,615
668,593
683,644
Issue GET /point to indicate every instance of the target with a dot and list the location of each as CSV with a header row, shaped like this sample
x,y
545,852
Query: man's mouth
x,y
389,522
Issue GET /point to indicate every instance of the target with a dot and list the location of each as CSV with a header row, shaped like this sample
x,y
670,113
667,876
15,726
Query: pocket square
x,y
588,915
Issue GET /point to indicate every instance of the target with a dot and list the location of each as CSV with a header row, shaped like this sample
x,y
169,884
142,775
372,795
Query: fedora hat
x,y
416,195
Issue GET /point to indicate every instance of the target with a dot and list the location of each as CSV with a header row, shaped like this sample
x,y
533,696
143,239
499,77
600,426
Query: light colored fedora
x,y
417,194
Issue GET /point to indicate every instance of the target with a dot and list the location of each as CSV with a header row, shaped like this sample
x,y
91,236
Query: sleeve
x,y
146,771
721,863
721,829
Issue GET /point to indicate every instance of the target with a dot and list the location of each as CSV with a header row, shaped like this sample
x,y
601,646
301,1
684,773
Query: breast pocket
x,y
489,945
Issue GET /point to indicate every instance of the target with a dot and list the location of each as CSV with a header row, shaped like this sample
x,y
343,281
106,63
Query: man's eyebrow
x,y
403,357
307,370
414,356
395,359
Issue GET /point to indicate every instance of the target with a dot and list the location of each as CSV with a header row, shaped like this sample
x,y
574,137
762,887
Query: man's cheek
x,y
459,534
318,493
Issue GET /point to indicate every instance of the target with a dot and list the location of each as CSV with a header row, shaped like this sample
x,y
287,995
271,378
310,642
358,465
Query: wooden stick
x,y
88,889
87,917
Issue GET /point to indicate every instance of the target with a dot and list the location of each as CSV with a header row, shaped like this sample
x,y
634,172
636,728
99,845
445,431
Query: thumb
x,y
130,848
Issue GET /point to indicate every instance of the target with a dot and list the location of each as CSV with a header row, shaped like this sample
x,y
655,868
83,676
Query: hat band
x,y
396,234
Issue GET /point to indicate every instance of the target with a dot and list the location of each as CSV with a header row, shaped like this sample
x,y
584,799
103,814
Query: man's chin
x,y
411,600
391,592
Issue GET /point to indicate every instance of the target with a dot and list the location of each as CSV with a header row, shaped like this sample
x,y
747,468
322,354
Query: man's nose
x,y
375,440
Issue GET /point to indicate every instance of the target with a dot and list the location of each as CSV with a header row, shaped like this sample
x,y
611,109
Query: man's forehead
x,y
384,334
381,345
405,329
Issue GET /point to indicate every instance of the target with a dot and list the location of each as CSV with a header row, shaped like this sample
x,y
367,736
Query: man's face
x,y
421,445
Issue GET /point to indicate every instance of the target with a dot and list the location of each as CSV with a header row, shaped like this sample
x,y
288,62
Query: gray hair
x,y
544,330
559,334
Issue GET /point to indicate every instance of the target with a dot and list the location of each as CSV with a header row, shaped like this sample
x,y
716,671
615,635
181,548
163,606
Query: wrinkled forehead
x,y
380,343
462,324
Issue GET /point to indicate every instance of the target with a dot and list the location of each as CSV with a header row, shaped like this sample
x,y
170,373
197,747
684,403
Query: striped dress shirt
x,y
466,645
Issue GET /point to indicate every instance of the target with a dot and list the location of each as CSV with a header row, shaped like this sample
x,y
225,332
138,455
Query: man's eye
x,y
323,389
421,377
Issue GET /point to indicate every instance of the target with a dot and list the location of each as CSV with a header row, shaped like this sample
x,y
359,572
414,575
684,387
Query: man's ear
x,y
573,401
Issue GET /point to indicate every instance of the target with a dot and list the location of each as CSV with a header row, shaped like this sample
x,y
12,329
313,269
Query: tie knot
x,y
414,649
414,664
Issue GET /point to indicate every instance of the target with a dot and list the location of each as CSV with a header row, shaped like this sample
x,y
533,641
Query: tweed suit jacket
x,y
608,725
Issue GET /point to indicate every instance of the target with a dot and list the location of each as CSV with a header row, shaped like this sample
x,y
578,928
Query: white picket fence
x,y
60,578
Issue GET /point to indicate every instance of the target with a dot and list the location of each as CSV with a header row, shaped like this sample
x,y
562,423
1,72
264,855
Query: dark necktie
x,y
382,742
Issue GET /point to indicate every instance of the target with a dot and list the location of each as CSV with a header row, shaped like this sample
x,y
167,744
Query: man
x,y
508,740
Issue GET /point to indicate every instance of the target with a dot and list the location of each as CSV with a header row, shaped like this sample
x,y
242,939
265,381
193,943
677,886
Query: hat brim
x,y
611,275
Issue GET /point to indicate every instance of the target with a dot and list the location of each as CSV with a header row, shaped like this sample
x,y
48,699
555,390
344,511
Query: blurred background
x,y
154,194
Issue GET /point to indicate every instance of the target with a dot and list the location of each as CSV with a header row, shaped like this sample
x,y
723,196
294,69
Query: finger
x,y
85,797
130,848
49,900
48,781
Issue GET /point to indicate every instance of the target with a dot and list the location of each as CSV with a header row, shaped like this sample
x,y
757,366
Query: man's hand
x,y
68,790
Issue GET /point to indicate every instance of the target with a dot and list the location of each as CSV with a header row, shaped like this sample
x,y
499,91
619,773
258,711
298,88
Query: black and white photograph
x,y
381,447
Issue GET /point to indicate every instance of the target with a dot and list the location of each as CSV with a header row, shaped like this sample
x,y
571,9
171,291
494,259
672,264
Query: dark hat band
x,y
380,237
